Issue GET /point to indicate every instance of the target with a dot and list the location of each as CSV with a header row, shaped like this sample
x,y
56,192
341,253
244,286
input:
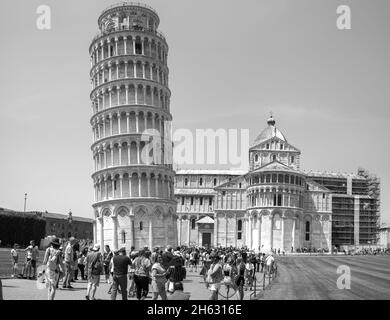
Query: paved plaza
x,y
305,278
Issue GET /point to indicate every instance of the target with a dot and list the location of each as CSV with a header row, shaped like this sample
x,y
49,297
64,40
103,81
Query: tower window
x,y
274,157
182,200
279,200
256,158
210,201
141,226
192,223
240,185
267,146
115,185
192,201
281,146
138,48
186,182
274,203
215,181
201,201
200,181
292,159
239,225
323,196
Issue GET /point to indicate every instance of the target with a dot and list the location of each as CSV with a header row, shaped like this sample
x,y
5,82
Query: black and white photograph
x,y
218,151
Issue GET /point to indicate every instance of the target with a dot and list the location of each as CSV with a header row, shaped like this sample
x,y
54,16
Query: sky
x,y
230,62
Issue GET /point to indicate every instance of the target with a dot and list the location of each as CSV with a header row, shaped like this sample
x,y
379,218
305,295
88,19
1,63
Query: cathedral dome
x,y
269,132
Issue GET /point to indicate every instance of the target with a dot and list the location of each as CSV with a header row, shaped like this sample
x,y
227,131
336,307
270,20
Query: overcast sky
x,y
231,62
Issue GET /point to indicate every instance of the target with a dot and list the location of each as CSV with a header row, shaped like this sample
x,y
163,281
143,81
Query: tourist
x,y
80,264
121,264
269,262
178,293
262,262
76,252
27,270
159,279
249,273
68,263
167,257
15,258
142,267
94,270
107,256
176,271
215,277
227,270
240,280
133,256
53,262
111,270
34,258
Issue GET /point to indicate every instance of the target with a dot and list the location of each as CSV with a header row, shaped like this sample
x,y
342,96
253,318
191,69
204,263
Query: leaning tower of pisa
x,y
133,177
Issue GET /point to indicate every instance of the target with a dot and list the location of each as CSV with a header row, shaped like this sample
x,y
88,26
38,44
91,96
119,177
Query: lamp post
x,y
25,201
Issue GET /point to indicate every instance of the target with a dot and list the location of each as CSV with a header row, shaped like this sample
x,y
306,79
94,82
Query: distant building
x,y
384,236
66,225
276,204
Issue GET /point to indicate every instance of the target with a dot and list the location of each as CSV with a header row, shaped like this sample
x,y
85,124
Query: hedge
x,y
21,228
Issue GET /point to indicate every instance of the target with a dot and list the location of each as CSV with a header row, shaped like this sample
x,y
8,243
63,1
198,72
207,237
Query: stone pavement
x,y
20,289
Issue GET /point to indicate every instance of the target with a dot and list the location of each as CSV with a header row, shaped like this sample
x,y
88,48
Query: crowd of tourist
x,y
133,274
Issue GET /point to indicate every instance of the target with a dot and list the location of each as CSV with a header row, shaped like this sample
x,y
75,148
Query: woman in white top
x,y
53,262
159,279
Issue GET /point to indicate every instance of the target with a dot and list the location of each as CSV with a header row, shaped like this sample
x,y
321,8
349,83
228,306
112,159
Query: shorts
x,y
94,279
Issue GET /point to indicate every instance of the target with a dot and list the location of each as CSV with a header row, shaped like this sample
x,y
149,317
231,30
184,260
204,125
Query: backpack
x,y
97,266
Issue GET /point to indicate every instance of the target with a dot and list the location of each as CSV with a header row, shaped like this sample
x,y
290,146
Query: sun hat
x,y
55,242
96,247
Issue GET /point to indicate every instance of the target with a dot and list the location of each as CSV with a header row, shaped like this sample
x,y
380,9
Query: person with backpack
x,y
142,267
94,270
53,262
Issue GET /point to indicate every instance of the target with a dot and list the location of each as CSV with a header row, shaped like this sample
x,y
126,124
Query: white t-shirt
x,y
14,253
269,260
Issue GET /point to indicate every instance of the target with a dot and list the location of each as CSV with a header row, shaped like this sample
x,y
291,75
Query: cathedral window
x,y
182,200
256,157
186,182
200,181
274,202
215,181
274,178
123,234
141,226
193,223
240,185
292,159
192,201
210,201
281,146
201,201
267,146
307,231
274,157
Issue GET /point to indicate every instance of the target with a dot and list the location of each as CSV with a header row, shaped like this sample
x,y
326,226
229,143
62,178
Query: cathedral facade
x,y
275,205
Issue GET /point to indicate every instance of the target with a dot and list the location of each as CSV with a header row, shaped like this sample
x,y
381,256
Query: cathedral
x,y
276,205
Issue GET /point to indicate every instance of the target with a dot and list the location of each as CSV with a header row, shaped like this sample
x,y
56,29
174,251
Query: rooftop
x,y
270,132
225,172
